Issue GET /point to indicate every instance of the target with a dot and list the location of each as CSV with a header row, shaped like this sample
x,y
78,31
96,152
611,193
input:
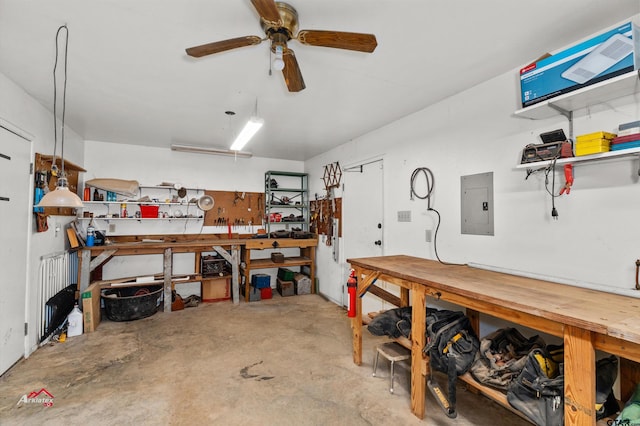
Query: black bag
x,y
502,356
606,375
451,345
538,392
393,323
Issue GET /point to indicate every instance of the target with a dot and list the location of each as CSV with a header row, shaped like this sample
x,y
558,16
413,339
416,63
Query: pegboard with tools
x,y
322,213
241,210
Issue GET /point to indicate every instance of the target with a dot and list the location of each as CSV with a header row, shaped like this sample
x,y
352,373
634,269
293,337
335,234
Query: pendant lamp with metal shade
x,y
61,196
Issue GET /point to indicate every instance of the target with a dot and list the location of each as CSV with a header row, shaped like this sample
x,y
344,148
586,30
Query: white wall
x,y
23,111
151,166
594,240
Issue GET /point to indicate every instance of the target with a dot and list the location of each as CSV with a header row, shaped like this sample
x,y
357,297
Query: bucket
x,y
131,303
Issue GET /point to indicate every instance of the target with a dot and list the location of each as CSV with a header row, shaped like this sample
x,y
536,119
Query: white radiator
x,y
57,271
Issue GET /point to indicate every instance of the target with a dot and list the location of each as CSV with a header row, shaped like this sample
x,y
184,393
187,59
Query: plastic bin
x,y
131,303
148,211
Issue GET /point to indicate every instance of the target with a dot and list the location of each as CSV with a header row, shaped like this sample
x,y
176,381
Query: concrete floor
x,y
284,361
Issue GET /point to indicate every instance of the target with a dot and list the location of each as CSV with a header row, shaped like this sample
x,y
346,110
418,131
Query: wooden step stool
x,y
393,352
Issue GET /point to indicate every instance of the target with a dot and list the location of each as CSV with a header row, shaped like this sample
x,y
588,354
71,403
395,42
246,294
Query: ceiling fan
x,y
279,21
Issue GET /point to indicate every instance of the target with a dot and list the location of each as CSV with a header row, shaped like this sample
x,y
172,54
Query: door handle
x,y
378,243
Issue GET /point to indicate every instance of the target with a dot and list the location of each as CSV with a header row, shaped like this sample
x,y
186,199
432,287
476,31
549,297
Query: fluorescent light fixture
x,y
212,151
61,197
250,129
603,57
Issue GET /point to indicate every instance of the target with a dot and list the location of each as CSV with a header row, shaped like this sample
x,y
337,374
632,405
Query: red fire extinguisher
x,y
352,286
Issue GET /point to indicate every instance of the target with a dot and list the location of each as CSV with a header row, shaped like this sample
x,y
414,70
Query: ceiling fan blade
x,y
221,46
268,11
338,39
291,71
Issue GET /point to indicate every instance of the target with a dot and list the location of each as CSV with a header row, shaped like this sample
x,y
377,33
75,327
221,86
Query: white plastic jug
x,y
75,322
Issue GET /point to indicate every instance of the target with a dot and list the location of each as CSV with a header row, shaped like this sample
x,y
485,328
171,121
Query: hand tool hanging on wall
x,y
331,207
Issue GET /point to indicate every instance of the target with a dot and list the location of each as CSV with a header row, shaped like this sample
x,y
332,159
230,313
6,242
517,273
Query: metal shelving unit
x,y
286,200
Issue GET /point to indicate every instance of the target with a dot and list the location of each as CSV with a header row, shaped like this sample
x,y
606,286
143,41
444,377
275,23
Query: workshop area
x,y
320,212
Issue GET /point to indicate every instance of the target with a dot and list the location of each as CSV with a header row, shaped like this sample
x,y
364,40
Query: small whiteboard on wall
x,y
476,193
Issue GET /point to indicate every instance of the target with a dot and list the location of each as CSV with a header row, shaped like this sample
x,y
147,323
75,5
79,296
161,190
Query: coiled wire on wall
x,y
428,174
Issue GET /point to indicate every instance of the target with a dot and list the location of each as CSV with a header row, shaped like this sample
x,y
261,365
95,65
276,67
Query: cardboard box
x,y
91,307
215,290
610,53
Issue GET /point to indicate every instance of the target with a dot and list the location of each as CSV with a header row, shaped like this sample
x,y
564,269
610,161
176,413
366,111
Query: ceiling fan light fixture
x,y
278,62
250,129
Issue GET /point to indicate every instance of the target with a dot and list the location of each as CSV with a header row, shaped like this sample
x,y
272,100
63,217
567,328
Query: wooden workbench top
x,y
597,311
155,244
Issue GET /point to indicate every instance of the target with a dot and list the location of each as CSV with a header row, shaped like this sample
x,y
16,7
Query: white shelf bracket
x,y
567,114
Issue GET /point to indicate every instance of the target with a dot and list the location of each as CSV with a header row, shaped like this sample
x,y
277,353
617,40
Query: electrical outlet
x,y
427,235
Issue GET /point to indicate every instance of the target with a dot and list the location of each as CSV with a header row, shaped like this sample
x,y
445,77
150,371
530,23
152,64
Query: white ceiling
x,y
130,81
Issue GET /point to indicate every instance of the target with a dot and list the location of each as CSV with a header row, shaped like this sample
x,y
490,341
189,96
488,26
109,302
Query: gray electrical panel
x,y
477,204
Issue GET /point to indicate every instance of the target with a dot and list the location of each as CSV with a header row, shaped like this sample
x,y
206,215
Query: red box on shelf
x,y
266,293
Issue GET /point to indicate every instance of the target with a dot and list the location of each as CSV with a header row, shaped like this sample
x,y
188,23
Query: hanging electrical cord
x,y
551,169
430,180
54,167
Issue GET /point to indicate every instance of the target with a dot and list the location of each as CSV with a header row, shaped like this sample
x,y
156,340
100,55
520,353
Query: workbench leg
x,y
579,377
167,273
474,319
235,273
246,257
84,270
404,297
419,367
629,378
356,324
233,260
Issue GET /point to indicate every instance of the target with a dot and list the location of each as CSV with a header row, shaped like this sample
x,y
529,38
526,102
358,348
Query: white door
x,y
362,215
14,228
